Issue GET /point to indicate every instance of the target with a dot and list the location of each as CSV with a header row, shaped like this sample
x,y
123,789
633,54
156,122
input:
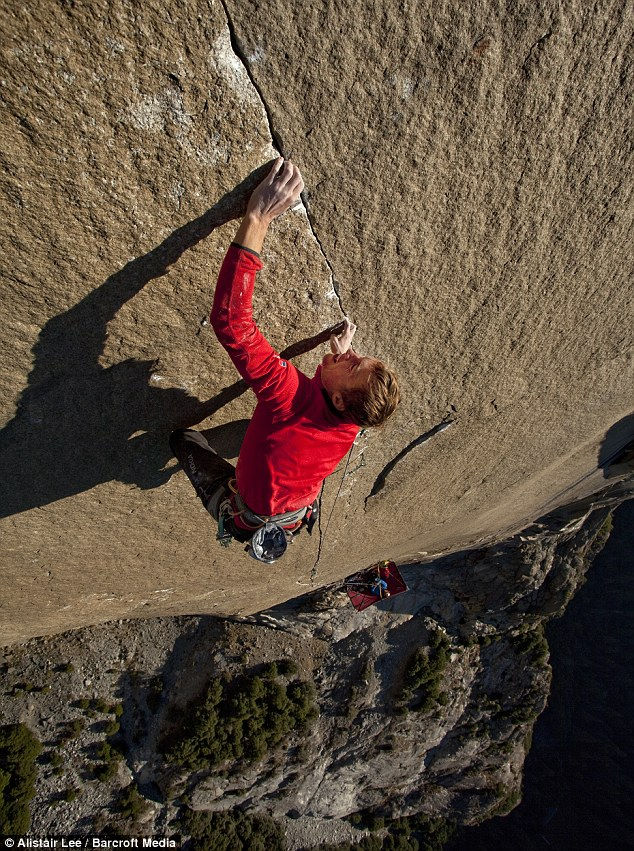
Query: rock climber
x,y
302,427
379,588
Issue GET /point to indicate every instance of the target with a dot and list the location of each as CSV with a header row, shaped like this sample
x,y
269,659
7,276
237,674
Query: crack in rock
x,y
334,283
235,46
536,48
278,145
423,438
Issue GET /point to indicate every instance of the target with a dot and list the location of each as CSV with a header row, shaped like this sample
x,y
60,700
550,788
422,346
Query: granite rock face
x,y
468,174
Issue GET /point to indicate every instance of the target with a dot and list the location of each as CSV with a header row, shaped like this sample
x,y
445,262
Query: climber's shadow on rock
x,y
79,424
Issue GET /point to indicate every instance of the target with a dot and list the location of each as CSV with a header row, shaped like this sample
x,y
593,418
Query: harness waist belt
x,y
257,520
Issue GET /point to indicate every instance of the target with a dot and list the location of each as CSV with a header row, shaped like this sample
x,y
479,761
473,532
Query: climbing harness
x,y
267,537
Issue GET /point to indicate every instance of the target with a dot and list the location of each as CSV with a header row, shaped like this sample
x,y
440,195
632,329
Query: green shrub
x,y
242,719
432,834
107,752
112,728
18,771
270,670
66,668
490,704
130,804
106,771
367,820
287,667
99,704
600,539
423,674
110,755
76,726
532,644
82,703
231,831
528,739
55,759
116,709
69,795
508,800
519,714
302,752
404,834
71,730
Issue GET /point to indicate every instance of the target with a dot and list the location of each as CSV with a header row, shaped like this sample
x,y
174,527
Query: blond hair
x,y
371,405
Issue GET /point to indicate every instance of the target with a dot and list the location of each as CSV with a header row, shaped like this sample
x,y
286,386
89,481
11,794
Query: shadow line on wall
x,y
76,423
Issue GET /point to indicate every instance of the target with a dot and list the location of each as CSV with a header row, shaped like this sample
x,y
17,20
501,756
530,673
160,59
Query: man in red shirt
x,y
301,427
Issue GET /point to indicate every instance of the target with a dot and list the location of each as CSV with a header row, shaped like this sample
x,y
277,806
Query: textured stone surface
x,y
468,172
469,167
121,130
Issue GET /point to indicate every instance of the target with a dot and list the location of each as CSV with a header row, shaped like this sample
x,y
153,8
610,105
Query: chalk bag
x,y
268,543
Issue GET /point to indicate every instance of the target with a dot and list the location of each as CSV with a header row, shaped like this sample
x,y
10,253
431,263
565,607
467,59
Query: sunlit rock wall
x,y
468,179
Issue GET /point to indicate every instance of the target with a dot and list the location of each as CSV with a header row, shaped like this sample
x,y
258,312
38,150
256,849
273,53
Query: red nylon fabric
x,y
294,439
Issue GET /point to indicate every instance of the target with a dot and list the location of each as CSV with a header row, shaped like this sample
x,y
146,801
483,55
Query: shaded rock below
x,y
449,742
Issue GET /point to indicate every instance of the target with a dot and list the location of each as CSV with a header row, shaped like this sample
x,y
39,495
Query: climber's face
x,y
345,371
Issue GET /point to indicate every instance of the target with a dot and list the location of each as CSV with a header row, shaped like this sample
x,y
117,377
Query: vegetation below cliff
x,y
243,719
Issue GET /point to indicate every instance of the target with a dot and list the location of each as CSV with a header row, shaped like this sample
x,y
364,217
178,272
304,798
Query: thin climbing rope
x,y
322,537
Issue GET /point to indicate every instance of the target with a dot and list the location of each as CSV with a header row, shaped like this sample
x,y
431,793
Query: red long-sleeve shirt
x,y
296,436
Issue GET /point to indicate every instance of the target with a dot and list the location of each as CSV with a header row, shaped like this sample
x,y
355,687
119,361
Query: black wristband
x,y
250,250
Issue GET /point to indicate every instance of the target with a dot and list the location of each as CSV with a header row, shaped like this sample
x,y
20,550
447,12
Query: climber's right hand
x,y
340,343
279,190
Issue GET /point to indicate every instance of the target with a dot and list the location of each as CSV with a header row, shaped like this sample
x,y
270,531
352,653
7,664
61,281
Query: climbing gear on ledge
x,y
374,584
